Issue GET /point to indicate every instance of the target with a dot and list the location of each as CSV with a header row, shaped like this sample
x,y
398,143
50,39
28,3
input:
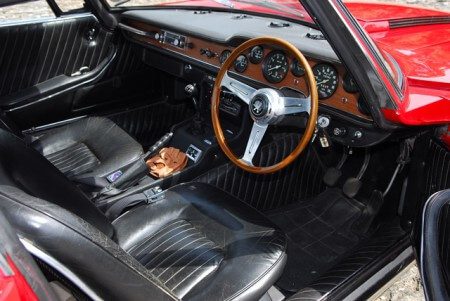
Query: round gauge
x,y
326,79
241,63
256,55
349,84
297,69
275,67
224,55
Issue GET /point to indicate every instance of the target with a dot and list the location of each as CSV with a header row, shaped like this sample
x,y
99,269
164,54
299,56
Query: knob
x,y
191,90
358,134
340,132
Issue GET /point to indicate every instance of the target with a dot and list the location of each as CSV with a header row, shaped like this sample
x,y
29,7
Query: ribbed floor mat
x,y
320,232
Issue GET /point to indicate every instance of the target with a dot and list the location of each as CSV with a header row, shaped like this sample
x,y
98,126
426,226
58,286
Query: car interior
x,y
317,197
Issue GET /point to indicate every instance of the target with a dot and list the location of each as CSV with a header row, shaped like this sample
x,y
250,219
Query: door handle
x,y
81,71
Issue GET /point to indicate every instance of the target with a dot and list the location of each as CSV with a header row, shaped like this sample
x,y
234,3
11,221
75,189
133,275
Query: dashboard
x,y
262,64
189,38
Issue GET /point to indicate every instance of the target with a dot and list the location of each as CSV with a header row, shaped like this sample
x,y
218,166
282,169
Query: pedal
x,y
332,176
351,187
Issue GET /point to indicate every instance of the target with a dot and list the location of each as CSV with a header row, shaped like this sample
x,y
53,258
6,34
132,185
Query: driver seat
x,y
198,243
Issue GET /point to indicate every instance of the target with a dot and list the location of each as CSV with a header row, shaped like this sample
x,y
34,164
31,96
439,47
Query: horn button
x,y
266,106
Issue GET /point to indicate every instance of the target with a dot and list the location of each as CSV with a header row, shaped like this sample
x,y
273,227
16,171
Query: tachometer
x,y
256,55
275,66
241,63
326,79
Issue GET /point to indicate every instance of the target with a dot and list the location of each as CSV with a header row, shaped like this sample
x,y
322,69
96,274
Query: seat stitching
x,y
187,264
193,272
165,234
168,247
190,251
152,236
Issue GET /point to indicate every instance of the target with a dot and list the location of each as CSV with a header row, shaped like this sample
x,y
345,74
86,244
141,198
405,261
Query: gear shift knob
x,y
191,90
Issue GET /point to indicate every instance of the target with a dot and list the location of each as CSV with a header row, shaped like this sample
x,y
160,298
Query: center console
x,y
195,137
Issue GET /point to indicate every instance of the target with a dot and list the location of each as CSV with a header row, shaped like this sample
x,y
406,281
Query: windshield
x,y
284,8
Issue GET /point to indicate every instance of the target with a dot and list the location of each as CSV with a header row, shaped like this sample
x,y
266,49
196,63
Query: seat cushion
x,y
204,244
91,147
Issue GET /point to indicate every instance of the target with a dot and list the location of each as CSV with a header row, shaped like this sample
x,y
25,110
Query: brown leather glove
x,y
168,161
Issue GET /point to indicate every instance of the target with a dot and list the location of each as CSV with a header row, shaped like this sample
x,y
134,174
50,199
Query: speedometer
x,y
326,80
275,66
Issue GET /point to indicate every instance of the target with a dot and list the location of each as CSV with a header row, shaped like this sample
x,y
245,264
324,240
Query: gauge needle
x,y
276,67
324,81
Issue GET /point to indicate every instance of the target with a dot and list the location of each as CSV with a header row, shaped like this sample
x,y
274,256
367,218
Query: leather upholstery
x,y
248,250
24,168
37,53
199,243
88,148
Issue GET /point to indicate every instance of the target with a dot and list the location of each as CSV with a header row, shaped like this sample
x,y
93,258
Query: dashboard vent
x,y
275,24
241,17
201,12
318,36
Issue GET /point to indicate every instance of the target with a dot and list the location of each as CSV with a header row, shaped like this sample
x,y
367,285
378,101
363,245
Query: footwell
x,y
320,231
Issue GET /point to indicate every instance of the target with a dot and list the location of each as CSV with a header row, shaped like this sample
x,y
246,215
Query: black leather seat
x,y
88,150
198,243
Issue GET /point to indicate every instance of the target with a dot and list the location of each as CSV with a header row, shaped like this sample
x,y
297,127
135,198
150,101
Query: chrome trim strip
x,y
52,125
46,20
134,30
59,267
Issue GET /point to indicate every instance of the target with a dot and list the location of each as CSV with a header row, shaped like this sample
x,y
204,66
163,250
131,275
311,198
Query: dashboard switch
x,y
340,132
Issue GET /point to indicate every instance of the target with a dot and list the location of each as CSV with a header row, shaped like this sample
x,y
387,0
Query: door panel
x,y
434,247
36,53
37,65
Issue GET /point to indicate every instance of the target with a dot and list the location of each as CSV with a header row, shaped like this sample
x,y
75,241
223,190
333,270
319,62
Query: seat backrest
x,y
26,169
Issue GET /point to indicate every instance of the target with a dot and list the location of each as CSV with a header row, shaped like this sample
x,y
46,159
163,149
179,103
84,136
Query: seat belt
x,y
149,196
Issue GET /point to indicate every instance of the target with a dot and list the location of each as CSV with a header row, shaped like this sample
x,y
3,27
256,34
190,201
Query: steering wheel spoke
x,y
256,136
293,105
243,91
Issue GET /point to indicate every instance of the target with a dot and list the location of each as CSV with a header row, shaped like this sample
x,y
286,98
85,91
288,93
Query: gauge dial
x,y
349,84
326,79
275,67
297,69
256,55
241,63
224,55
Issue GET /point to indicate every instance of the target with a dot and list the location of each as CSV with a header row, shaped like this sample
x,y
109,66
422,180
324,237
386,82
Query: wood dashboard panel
x,y
341,99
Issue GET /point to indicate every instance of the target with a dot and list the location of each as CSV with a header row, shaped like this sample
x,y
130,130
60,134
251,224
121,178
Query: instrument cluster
x,y
275,66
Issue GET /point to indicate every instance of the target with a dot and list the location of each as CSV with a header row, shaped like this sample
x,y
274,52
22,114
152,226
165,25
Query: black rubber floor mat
x,y
320,232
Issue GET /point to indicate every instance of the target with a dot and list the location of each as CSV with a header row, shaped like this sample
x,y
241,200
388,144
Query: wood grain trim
x,y
341,100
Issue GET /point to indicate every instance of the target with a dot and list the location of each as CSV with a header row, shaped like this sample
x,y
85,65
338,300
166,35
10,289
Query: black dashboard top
x,y
224,27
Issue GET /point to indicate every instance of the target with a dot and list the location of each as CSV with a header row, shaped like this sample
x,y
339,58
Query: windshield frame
x,y
120,9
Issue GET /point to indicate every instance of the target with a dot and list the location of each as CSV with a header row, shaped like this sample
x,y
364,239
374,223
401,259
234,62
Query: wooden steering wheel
x,y
267,106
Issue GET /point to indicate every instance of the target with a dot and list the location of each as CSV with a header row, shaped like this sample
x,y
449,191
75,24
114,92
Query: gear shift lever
x,y
192,92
